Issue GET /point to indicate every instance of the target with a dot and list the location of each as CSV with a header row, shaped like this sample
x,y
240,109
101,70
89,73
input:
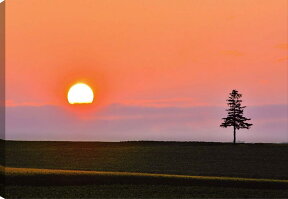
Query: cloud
x,y
282,59
235,53
282,46
170,102
122,122
11,103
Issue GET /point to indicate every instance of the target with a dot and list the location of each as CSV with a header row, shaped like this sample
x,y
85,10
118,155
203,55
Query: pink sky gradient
x,y
183,54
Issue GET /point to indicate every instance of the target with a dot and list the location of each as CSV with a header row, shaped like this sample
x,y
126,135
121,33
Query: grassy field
x,y
146,169
28,176
140,191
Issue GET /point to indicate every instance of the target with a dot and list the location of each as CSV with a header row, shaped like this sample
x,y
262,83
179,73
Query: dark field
x,y
268,161
140,191
205,159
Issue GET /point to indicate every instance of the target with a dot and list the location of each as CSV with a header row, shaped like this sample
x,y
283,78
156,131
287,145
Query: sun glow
x,y
80,93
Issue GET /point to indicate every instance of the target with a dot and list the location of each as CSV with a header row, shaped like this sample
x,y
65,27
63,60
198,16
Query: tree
x,y
235,116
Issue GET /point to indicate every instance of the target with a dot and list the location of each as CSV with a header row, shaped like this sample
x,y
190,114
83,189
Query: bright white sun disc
x,y
80,93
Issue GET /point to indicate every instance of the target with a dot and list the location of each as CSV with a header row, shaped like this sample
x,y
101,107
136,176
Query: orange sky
x,y
147,53
147,50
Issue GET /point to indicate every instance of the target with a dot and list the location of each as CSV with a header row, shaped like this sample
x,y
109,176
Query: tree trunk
x,y
234,132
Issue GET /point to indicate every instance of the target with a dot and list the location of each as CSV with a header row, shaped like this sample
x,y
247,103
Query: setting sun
x,y
80,93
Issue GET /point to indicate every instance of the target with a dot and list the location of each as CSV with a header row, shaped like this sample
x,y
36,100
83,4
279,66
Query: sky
x,y
160,70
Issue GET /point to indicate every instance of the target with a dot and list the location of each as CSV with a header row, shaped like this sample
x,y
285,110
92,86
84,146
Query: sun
x,y
80,93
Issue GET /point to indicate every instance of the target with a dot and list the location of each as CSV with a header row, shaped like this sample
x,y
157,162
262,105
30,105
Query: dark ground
x,y
187,158
140,191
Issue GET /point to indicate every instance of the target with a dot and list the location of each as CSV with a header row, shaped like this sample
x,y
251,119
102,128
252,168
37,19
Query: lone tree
x,y
235,116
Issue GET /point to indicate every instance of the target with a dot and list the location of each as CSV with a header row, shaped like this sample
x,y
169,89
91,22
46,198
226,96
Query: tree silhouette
x,y
235,116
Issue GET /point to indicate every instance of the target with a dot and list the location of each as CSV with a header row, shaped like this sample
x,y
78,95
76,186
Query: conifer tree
x,y
235,116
